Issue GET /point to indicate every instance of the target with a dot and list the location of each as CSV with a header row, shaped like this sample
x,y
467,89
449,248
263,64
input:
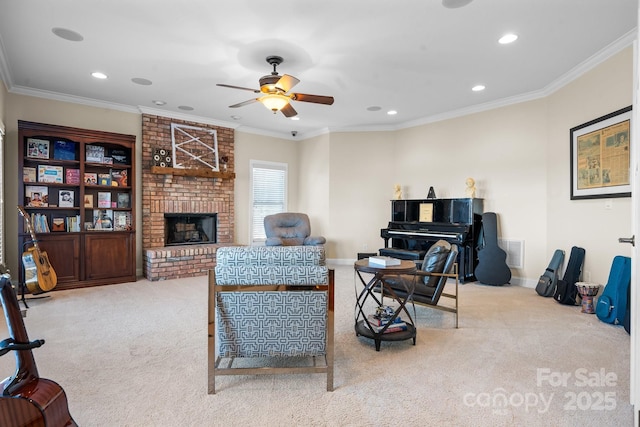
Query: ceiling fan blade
x,y
242,104
289,111
286,82
238,87
317,99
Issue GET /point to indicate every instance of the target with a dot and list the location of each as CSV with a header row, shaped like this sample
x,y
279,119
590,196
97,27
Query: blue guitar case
x,y
547,283
612,304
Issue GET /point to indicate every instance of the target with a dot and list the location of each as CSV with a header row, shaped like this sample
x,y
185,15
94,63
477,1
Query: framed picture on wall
x,y
601,157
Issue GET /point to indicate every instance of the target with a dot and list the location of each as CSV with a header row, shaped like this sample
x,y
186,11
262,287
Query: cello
x,y
27,399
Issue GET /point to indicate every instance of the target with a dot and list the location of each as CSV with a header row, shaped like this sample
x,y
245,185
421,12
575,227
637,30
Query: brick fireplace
x,y
175,194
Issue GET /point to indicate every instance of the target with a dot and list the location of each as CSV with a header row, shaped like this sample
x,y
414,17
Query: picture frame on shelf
x,y
50,174
123,200
88,201
91,178
94,153
64,150
600,157
104,199
36,196
29,174
38,148
66,198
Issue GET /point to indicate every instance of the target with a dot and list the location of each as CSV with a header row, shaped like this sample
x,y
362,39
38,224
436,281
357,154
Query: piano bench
x,y
403,253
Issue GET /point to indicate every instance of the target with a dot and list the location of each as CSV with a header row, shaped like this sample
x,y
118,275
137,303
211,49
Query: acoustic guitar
x,y
39,276
27,399
492,267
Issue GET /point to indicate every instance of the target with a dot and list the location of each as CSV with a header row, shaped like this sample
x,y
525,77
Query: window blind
x,y
269,194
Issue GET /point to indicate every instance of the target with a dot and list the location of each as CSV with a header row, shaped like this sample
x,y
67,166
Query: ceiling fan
x,y
275,91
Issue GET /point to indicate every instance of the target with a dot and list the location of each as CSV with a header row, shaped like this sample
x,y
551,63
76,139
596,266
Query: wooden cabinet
x,y
78,189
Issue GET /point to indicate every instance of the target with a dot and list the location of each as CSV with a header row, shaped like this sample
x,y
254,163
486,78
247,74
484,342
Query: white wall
x,y
255,147
587,223
519,156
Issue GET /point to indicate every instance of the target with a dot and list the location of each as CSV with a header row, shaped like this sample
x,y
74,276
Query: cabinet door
x,y
63,251
109,255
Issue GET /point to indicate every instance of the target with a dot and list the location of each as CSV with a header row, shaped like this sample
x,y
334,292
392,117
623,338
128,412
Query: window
x,y
268,194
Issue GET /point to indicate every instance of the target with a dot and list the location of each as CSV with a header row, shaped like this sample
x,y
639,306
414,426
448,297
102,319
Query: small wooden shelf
x,y
205,173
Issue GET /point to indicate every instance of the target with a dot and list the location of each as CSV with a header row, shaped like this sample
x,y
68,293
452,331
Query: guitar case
x,y
612,304
492,268
547,283
566,291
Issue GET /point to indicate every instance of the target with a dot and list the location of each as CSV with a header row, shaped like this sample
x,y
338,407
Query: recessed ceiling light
x,y
478,88
159,103
454,4
67,34
508,38
185,108
374,108
392,112
141,81
99,75
295,118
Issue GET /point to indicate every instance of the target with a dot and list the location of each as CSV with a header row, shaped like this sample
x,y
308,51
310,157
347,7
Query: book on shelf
x,y
72,176
91,178
119,177
37,148
64,150
66,198
104,179
94,153
50,174
119,156
73,223
104,199
103,219
123,200
36,196
121,220
39,223
29,174
383,261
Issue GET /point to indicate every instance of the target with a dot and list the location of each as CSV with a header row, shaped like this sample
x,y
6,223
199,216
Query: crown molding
x,y
579,70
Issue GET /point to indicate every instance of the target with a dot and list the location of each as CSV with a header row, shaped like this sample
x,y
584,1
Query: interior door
x,y
635,225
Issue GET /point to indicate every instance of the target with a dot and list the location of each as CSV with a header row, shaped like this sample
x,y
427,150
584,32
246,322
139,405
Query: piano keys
x,y
417,224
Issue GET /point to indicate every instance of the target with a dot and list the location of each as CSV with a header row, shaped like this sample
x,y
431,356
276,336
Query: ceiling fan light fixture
x,y
274,101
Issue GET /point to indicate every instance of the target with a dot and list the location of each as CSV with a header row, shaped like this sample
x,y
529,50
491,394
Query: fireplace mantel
x,y
205,173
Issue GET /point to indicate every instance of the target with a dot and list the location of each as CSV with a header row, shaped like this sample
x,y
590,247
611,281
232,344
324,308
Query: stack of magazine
x,y
384,316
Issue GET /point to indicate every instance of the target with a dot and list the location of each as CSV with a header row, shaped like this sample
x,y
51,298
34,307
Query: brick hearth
x,y
182,194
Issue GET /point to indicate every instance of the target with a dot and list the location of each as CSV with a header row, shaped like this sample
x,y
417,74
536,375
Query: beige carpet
x,y
135,355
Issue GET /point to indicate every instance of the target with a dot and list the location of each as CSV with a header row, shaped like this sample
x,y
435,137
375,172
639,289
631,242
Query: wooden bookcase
x,y
88,243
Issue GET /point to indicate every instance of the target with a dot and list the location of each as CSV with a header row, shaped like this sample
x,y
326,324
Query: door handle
x,y
631,240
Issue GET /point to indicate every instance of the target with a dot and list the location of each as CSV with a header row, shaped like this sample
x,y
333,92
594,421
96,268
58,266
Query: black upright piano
x,y
417,224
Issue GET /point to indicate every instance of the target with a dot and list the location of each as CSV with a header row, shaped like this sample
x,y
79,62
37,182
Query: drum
x,y
587,291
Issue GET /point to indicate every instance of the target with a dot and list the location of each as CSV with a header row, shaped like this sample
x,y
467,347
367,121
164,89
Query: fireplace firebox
x,y
190,228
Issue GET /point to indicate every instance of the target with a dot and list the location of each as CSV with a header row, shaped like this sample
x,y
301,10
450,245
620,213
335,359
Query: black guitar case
x,y
492,268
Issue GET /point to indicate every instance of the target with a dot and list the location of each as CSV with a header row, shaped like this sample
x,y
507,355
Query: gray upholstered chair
x,y
438,266
290,229
269,304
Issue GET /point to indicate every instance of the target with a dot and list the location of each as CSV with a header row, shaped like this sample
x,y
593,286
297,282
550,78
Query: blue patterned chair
x,y
270,302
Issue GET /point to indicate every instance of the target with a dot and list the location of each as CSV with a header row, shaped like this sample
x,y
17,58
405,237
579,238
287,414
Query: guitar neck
x,y
27,220
25,363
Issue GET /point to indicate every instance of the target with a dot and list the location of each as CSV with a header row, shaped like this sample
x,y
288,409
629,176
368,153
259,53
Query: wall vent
x,y
514,250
